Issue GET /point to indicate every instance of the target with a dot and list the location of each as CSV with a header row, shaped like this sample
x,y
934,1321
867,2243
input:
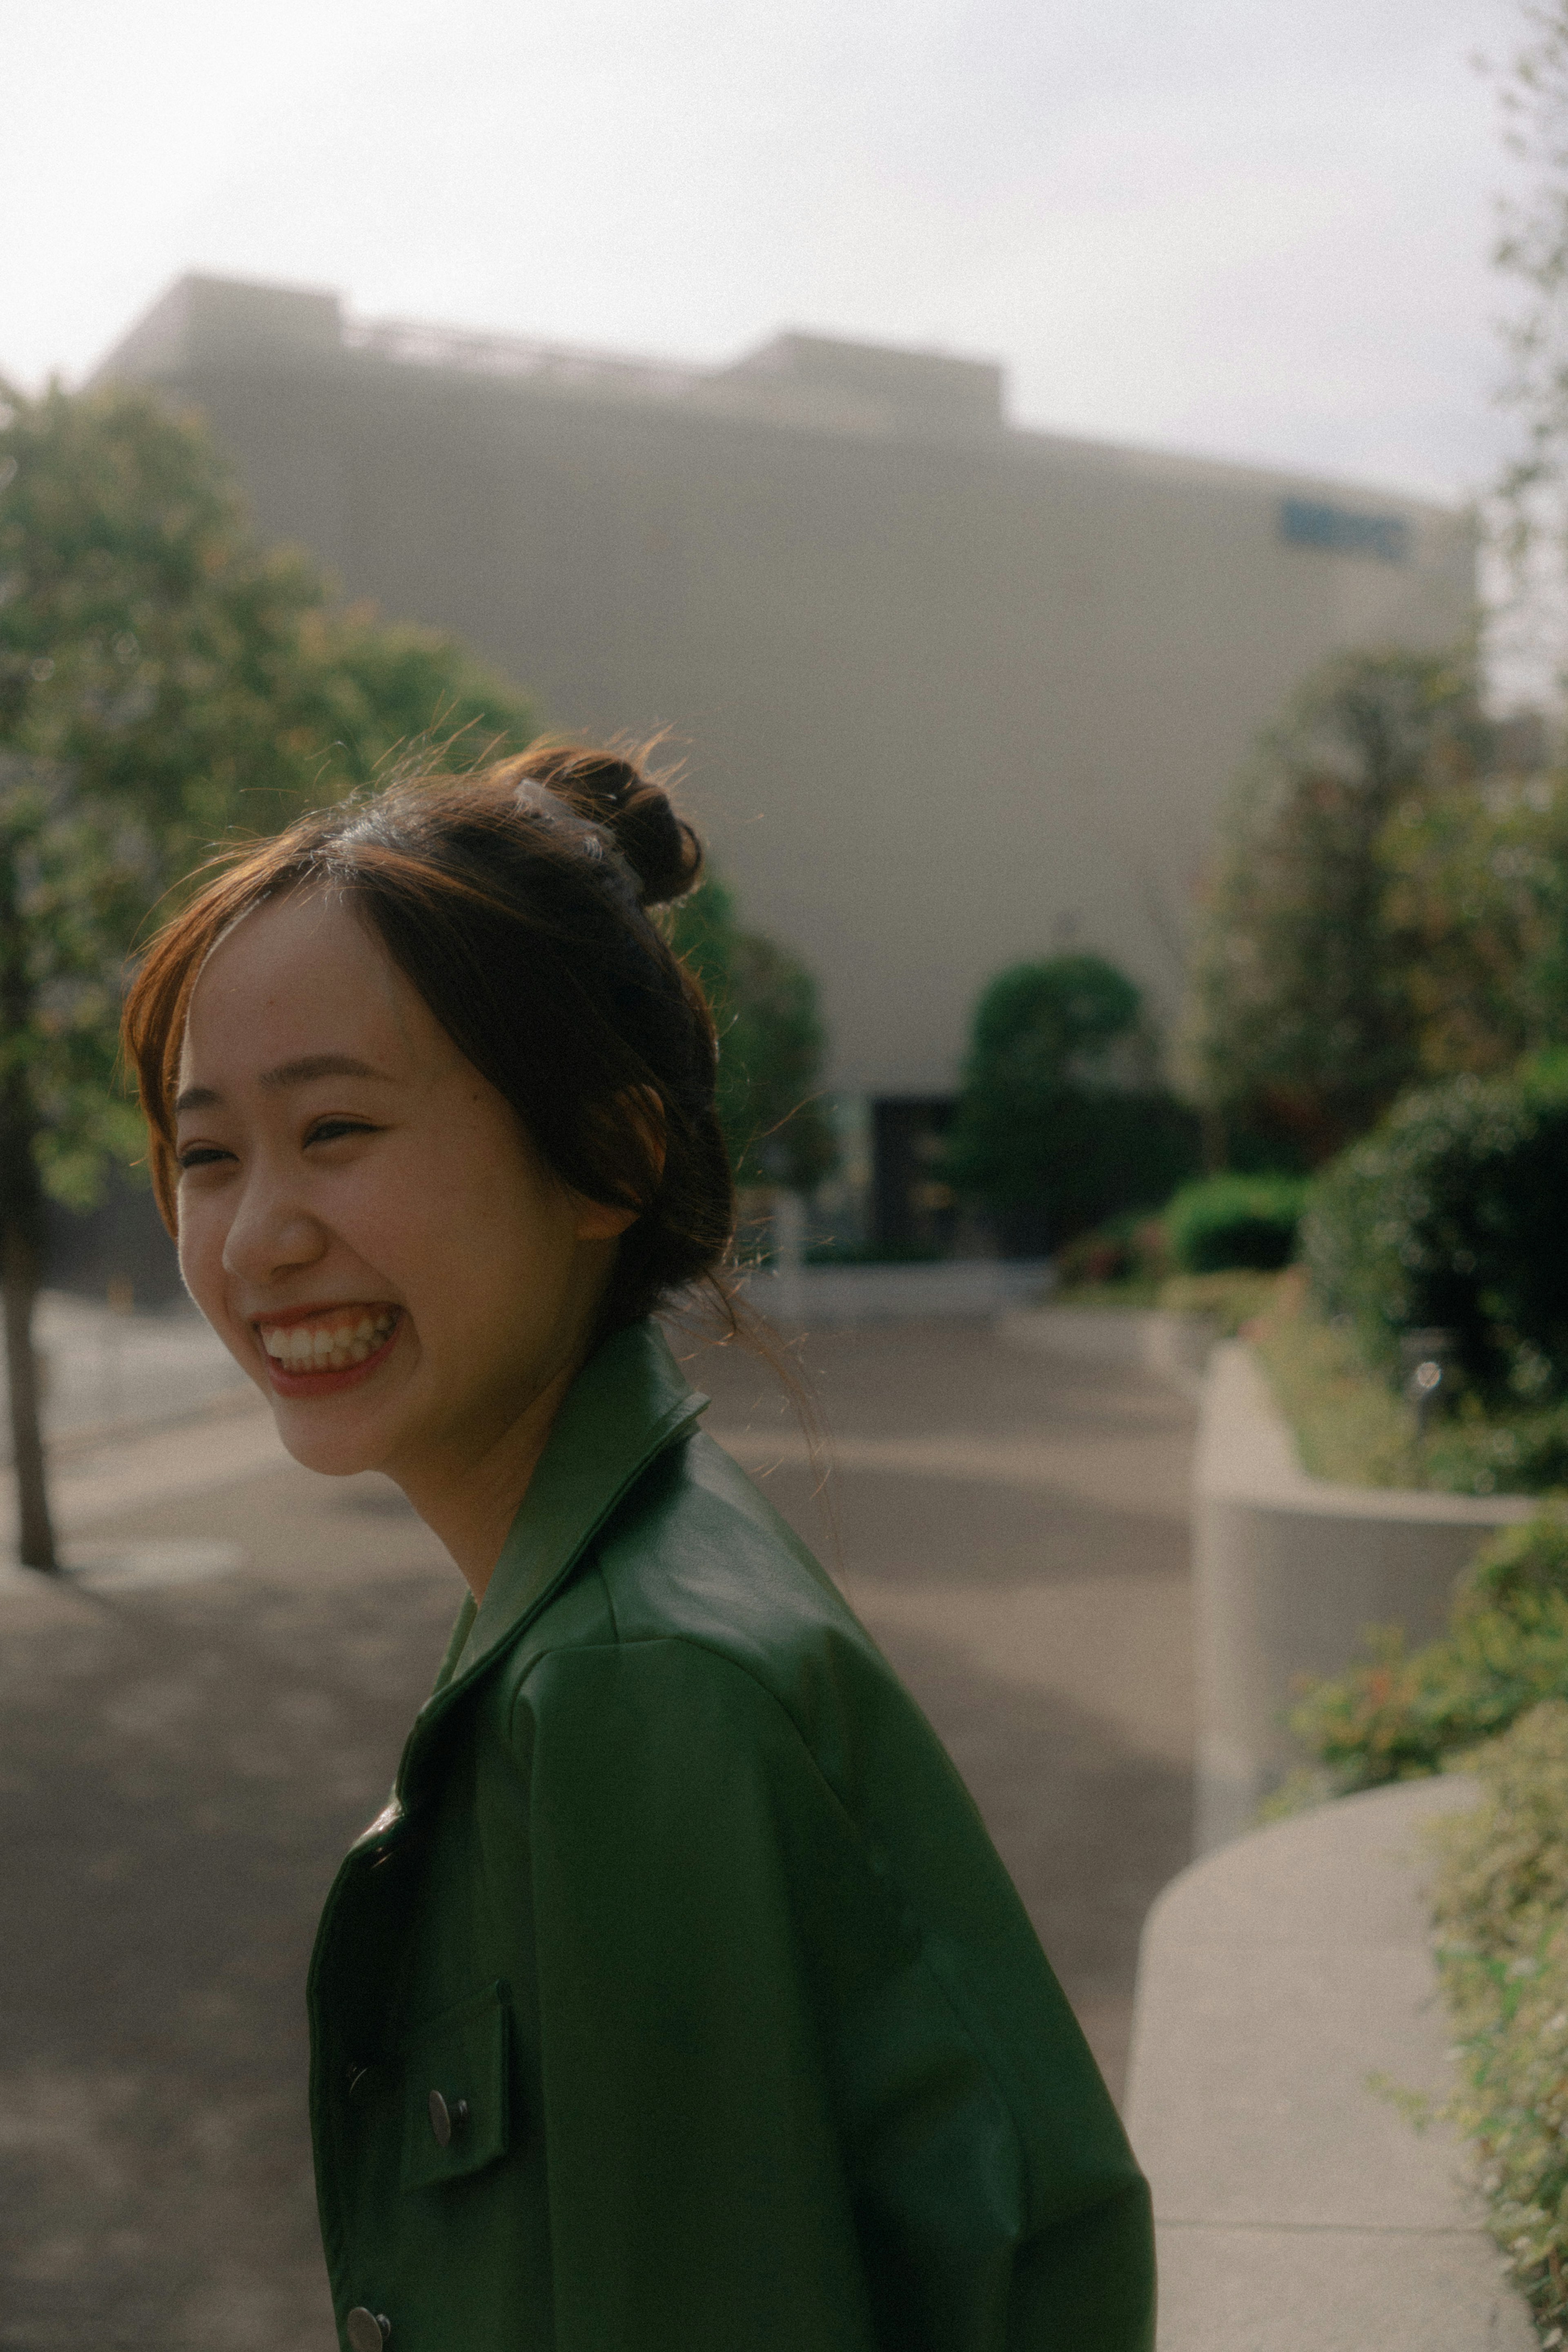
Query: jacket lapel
x,y
628,1403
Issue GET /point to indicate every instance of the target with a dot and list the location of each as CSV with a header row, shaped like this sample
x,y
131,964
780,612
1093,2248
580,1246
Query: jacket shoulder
x,y
698,1552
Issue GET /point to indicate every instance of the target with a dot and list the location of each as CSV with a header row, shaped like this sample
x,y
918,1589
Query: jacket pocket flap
x,y
457,2099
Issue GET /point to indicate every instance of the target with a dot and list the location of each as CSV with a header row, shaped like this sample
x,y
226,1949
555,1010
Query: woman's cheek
x,y
201,1249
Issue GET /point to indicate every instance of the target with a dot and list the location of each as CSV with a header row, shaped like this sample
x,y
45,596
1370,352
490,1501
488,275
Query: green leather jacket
x,y
740,2038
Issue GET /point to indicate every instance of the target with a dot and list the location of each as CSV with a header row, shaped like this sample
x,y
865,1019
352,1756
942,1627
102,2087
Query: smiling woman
x,y
331,1143
678,2001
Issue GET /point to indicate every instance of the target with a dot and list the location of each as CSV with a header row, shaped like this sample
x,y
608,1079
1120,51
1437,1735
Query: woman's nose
x,y
272,1232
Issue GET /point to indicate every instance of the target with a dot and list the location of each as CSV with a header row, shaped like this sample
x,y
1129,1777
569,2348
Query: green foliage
x,y
1059,1119
1533,250
398,688
1451,1215
1507,1451
1351,1423
1058,1019
772,1044
1301,1018
1500,1905
163,679
1477,904
1232,1302
1515,1570
1129,1249
1400,1714
1223,1222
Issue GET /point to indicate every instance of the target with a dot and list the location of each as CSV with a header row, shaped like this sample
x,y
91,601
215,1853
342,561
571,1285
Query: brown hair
x,y
515,900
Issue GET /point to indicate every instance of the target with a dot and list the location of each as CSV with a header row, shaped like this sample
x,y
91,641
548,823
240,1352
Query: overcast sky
x,y
1245,227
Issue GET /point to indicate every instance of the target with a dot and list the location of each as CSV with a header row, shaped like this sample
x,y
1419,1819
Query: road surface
x,y
183,1763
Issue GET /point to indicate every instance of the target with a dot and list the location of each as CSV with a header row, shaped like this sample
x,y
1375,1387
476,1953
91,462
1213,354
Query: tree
x,y
398,688
1532,250
1477,907
163,679
1302,1024
1060,1121
772,1044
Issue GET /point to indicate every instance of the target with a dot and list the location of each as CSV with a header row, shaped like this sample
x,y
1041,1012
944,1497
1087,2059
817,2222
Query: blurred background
x,y
1076,492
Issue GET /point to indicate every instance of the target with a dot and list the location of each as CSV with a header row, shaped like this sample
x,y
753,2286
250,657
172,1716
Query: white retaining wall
x,y
818,1295
1288,1572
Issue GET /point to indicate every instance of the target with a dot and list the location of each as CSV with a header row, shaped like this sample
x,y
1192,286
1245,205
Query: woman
x,y
678,2001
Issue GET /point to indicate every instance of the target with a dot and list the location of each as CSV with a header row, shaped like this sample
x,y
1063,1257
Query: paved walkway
x,y
107,1373
181,1766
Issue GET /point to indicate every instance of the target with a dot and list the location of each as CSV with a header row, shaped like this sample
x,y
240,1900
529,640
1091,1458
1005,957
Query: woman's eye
x,y
200,1155
328,1130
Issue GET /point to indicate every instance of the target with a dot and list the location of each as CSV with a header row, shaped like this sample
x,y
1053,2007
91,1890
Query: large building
x,y
951,692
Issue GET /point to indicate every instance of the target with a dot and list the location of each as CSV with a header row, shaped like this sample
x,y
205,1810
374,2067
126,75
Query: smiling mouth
x,y
333,1342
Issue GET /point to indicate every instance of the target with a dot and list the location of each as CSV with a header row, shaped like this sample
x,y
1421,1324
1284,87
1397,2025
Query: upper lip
x,y
280,1318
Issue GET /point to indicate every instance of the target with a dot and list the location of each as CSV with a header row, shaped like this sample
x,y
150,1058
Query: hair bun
x,y
612,790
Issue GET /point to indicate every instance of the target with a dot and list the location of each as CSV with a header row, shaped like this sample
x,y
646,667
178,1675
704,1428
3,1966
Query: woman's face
x,y
363,1218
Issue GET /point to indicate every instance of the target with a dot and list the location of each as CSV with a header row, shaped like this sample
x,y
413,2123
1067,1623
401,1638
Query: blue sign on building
x,y
1311,522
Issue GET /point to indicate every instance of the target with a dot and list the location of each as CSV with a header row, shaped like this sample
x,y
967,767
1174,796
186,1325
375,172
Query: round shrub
x,y
1236,1221
1523,1563
1453,1213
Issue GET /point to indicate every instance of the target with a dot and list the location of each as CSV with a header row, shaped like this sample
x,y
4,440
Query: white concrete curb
x,y
1287,1571
1173,1346
820,1295
1296,2209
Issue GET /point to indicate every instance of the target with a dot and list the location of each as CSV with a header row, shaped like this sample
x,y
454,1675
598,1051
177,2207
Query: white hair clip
x,y
595,841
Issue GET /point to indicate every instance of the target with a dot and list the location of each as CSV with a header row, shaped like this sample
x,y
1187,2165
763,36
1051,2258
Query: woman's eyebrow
x,y
318,1065
288,1074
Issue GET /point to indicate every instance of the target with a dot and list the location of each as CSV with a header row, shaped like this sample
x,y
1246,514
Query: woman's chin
x,y
337,1445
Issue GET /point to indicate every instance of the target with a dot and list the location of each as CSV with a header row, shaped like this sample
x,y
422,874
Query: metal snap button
x,y
367,2330
446,2119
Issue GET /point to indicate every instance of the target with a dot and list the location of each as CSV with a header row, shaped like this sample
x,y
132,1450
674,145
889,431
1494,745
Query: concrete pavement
x,y
1284,1978
181,1765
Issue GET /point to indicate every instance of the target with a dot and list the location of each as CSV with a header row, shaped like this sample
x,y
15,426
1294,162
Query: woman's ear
x,y
640,1109
602,1220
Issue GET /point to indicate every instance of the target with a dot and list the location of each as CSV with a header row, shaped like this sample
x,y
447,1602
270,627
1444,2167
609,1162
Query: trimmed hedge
x,y
1228,1221
1128,1248
1492,1698
1400,1714
1501,1905
1453,1213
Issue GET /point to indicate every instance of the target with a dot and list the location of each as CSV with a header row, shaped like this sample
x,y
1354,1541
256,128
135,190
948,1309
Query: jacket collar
x,y
630,1401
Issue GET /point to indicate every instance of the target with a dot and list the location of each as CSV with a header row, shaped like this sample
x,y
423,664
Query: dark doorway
x,y
913,1210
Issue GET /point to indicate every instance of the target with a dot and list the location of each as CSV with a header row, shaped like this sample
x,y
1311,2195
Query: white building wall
x,y
951,693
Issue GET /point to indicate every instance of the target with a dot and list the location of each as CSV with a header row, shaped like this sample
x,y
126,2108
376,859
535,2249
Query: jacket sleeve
x,y
766,2127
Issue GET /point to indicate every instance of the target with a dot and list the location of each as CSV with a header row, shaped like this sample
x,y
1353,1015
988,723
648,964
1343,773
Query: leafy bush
x,y
1504,1452
1128,1248
1236,1221
1234,1301
1302,1026
1399,1714
1060,1123
1451,1214
1350,1424
1501,1904
772,1043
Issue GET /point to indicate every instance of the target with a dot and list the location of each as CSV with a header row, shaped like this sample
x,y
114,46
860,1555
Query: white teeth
x,y
316,1347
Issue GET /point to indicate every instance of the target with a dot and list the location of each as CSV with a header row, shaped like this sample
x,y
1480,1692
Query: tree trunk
x,y
19,1280
21,1214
